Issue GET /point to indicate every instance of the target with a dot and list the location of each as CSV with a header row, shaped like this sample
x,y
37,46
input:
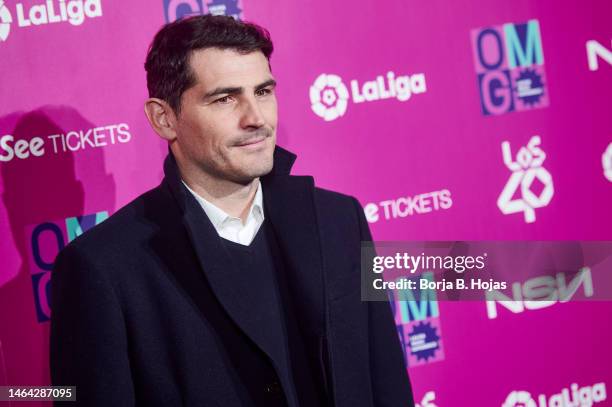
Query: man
x,y
232,283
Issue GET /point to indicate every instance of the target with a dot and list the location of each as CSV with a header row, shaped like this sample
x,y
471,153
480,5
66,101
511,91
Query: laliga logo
x,y
428,398
5,21
72,11
525,170
606,162
519,398
329,96
580,397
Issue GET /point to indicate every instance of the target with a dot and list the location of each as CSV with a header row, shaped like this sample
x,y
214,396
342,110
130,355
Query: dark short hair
x,y
167,63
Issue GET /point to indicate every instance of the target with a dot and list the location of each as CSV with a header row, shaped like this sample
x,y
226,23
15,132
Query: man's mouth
x,y
253,142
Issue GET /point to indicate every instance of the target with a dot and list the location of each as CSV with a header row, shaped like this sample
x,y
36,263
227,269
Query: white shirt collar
x,y
231,227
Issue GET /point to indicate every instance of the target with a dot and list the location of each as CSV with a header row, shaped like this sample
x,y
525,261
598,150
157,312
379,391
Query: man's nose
x,y
252,117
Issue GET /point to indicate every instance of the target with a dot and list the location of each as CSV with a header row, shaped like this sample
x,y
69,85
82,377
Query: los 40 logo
x,y
45,241
509,63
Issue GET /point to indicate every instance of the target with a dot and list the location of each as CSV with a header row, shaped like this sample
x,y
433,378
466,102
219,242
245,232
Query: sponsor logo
x,y
417,318
526,170
540,292
427,400
71,141
408,206
177,9
329,96
51,11
509,63
575,396
594,50
606,162
45,241
5,21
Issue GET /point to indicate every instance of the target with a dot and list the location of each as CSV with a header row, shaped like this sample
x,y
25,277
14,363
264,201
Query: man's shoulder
x,y
340,216
123,230
335,200
338,209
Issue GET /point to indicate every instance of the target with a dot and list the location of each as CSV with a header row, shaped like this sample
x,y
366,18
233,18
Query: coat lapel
x,y
289,207
289,204
218,268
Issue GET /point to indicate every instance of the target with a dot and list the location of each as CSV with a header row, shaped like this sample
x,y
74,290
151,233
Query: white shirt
x,y
230,227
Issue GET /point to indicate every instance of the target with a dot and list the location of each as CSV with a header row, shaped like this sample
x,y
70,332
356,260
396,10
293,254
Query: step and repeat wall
x,y
448,120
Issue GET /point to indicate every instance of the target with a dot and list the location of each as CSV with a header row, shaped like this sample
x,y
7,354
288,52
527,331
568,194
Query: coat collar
x,y
283,162
289,204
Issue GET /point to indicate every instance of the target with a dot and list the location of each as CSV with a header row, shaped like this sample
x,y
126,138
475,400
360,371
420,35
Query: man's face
x,y
227,122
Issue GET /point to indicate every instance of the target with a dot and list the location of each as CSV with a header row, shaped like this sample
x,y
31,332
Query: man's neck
x,y
233,198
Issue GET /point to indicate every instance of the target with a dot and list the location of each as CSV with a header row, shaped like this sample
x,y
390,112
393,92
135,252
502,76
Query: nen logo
x,y
177,9
45,241
596,51
509,63
540,292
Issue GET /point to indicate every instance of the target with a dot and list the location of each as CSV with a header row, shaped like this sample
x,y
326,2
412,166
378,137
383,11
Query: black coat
x,y
131,301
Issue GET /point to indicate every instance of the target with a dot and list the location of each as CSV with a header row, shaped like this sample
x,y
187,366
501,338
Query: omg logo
x,y
417,320
177,9
526,170
509,63
45,241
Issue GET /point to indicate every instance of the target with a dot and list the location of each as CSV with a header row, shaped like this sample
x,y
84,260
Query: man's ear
x,y
162,118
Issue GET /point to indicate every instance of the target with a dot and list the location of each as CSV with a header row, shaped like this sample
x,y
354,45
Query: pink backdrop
x,y
421,147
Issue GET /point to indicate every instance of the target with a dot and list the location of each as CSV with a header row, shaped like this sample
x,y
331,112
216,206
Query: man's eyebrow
x,y
223,91
269,82
237,90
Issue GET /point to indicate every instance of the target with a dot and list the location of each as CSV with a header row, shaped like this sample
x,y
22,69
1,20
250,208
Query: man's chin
x,y
249,173
260,172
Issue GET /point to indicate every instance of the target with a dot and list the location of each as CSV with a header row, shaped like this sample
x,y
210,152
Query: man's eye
x,y
263,92
223,100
